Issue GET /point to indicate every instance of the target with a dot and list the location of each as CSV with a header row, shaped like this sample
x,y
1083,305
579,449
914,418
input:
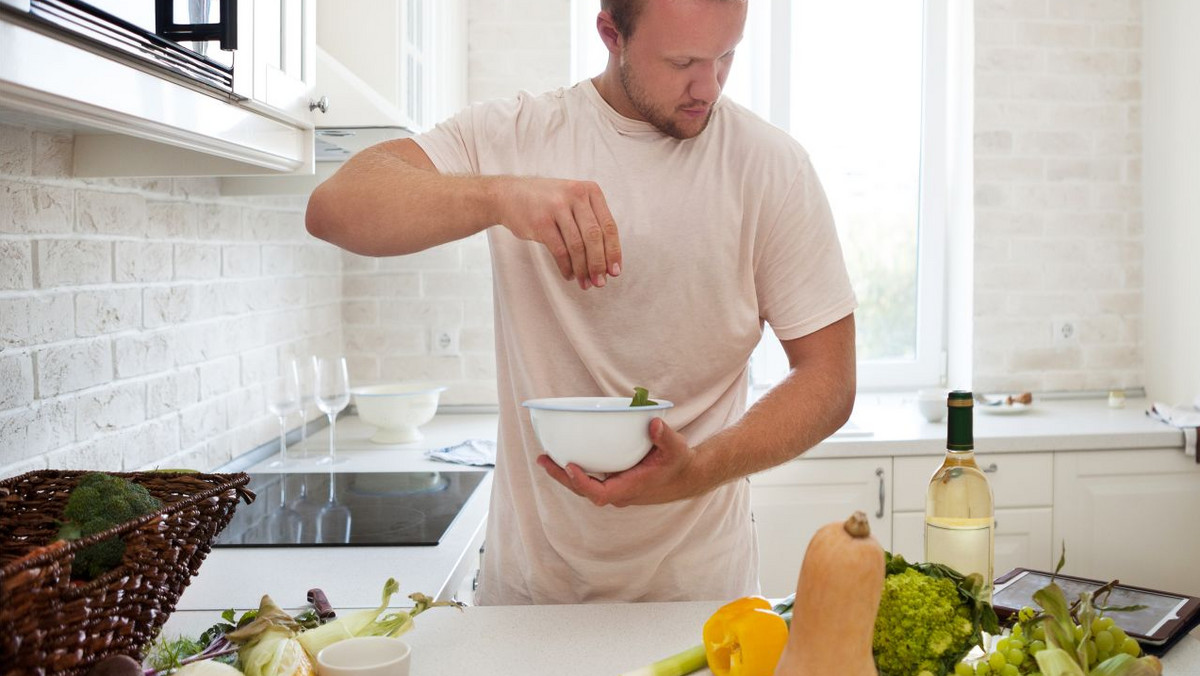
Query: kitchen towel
x,y
1186,418
478,452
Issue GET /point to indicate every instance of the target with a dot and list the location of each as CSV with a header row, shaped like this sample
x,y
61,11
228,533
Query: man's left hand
x,y
660,477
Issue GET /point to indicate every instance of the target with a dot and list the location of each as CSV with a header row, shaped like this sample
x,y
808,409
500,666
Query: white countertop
x,y
892,426
882,425
582,640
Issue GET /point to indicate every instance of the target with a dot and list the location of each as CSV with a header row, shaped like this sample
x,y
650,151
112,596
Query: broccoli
x,y
929,618
98,502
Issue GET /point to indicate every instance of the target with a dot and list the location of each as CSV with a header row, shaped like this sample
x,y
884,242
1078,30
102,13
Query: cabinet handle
x,y
321,104
991,469
879,473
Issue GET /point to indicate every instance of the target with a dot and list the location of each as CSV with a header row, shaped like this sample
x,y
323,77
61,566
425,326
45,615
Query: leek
x,y
679,664
370,622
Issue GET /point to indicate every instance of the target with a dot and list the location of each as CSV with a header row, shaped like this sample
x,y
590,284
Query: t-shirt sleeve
x,y
463,143
801,274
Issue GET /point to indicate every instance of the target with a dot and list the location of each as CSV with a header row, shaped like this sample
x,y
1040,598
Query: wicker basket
x,y
50,624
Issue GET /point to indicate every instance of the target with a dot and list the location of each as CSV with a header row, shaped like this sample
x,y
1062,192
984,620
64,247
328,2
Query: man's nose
x,y
706,86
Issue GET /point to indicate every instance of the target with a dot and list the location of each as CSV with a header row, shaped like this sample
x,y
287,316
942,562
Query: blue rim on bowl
x,y
597,404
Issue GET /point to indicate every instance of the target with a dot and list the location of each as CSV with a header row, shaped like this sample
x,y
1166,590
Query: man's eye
x,y
681,64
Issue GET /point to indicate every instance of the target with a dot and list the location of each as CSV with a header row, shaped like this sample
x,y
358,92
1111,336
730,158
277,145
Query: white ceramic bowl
x,y
397,409
931,402
600,434
365,656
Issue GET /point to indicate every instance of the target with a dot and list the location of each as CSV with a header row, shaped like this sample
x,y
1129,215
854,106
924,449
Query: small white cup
x,y
931,402
365,656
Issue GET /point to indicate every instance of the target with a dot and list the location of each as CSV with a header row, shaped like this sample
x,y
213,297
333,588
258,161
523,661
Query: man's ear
x,y
608,32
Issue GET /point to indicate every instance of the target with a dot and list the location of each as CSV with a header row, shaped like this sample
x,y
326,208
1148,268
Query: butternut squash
x,y
837,597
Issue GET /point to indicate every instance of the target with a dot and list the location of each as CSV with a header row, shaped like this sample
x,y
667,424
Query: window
x,y
862,85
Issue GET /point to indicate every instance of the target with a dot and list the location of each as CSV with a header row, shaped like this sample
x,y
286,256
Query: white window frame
x,y
770,91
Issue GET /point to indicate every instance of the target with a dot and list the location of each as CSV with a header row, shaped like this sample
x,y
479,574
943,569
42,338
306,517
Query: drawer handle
x,y
879,473
991,469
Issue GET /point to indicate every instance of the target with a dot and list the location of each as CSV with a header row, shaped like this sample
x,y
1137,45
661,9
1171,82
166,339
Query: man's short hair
x,y
624,14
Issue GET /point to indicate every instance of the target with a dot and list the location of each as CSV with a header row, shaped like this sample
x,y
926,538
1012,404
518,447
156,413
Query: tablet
x,y
1166,616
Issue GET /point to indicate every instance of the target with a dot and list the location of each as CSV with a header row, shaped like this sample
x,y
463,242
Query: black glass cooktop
x,y
349,509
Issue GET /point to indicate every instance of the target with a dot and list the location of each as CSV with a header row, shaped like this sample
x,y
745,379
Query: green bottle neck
x,y
959,433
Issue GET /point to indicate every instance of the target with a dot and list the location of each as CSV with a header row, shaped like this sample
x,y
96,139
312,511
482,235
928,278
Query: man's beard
x,y
641,103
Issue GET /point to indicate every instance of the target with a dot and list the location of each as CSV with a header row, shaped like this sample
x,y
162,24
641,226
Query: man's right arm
x,y
390,200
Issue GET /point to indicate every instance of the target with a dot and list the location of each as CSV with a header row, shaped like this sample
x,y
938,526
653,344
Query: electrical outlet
x,y
1065,333
444,342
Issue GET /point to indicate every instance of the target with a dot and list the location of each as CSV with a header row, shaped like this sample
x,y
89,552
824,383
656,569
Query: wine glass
x,y
307,513
283,399
334,519
331,391
304,371
284,525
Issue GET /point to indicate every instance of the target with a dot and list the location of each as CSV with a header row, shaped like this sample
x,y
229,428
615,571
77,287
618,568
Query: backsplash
x,y
1058,212
139,318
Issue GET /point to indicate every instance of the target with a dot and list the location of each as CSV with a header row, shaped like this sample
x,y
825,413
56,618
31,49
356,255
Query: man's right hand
x,y
570,218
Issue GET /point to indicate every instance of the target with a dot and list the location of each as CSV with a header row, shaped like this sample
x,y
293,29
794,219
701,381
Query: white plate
x,y
1005,409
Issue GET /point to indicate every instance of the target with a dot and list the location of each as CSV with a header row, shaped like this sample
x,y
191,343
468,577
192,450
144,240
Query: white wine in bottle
x,y
960,521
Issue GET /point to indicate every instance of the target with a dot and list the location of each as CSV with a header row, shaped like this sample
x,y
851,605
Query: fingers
x,y
608,226
594,251
588,231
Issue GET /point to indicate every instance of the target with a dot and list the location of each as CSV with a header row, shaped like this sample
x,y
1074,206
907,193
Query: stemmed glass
x,y
284,522
307,513
304,369
331,391
283,399
334,519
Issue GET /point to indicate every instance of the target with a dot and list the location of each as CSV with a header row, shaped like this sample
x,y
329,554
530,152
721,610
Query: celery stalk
x,y
690,660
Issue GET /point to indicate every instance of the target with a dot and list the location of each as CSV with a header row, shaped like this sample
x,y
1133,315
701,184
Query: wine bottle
x,y
960,520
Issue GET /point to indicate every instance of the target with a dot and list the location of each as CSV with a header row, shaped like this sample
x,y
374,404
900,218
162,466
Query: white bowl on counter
x,y
397,409
600,434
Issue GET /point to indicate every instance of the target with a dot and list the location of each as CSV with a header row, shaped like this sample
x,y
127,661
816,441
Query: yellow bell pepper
x,y
744,638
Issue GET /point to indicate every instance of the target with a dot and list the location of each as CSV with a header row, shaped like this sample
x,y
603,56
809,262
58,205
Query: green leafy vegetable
x,y
98,502
641,397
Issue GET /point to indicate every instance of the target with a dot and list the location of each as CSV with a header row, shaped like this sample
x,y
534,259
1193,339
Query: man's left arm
x,y
809,404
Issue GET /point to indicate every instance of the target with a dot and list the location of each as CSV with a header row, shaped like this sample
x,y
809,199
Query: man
x,y
679,222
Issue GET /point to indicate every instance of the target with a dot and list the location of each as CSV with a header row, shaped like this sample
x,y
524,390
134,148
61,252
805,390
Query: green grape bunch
x,y
1065,640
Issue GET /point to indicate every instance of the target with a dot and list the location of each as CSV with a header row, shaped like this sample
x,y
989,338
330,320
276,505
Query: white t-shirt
x,y
718,234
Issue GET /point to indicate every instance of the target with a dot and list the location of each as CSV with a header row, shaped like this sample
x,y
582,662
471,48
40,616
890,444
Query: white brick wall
x,y
139,318
1058,194
392,306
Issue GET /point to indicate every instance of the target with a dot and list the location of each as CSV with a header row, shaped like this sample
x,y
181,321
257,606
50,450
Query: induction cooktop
x,y
349,509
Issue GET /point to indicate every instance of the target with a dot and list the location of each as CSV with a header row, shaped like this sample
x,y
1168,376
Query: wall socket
x,y
1065,333
443,342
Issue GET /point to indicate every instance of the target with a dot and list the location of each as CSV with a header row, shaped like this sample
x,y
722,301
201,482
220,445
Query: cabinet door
x,y
792,501
1129,515
284,58
1022,538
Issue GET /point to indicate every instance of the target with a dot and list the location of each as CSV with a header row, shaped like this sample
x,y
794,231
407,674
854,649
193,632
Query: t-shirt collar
x,y
624,125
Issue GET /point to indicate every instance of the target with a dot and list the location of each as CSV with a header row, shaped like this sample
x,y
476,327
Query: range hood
x,y
356,117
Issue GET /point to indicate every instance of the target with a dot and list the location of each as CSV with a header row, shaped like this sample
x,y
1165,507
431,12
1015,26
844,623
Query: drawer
x,y
1017,479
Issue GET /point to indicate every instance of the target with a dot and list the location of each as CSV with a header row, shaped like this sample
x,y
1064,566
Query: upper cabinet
x,y
225,91
391,64
384,70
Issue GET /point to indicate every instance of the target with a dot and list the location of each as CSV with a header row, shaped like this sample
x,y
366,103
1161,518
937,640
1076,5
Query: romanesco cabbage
x,y
929,618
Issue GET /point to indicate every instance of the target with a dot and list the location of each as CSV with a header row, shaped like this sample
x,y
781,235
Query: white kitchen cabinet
x,y
1129,515
1022,488
412,54
792,501
282,58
